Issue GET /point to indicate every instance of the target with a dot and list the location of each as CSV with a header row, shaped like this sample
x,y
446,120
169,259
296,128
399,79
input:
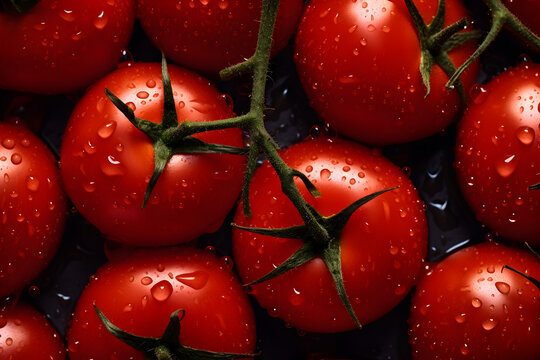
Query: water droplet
x,y
67,15
478,94
489,324
460,318
131,106
325,174
143,95
9,341
525,135
196,280
506,166
349,79
181,105
400,290
128,308
8,143
503,287
371,28
386,29
296,298
77,36
146,280
107,129
151,83
223,4
112,167
32,183
16,158
89,148
101,21
464,349
33,291
90,186
161,291
273,312
476,303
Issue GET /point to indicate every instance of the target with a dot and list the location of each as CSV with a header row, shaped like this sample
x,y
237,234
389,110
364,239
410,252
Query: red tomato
x,y
498,154
359,64
382,245
138,294
107,162
527,11
63,45
211,35
32,207
26,334
467,307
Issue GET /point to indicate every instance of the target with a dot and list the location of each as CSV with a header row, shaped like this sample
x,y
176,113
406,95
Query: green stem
x,y
501,16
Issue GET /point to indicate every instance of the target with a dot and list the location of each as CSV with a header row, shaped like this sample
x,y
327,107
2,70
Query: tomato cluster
x,y
383,169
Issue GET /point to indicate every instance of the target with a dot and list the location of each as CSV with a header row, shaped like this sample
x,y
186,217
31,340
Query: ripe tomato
x,y
498,154
382,245
138,293
63,45
32,207
211,35
359,64
107,162
26,334
467,307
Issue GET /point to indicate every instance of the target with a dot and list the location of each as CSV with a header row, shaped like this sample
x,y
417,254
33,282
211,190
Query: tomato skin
x,y
26,334
383,244
32,207
498,154
359,64
466,307
138,293
60,46
210,35
107,162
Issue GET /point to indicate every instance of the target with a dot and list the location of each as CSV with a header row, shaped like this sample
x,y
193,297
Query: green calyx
x,y
500,17
168,346
327,248
17,6
436,41
169,137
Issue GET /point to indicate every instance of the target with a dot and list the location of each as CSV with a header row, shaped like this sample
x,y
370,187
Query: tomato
x,y
359,64
63,45
210,35
467,307
498,154
107,162
526,11
32,207
138,293
382,245
26,334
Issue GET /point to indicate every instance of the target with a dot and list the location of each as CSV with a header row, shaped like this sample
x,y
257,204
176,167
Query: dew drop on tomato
x,y
146,280
525,135
506,167
195,280
101,21
32,183
161,291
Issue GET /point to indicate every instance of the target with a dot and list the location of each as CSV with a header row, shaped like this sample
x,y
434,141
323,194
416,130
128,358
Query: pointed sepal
x,y
168,346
